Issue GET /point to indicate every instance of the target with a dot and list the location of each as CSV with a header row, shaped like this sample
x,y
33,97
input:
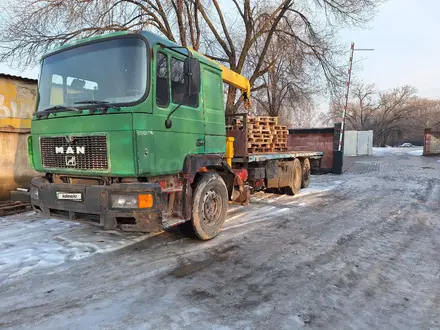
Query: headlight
x,y
124,201
142,201
34,192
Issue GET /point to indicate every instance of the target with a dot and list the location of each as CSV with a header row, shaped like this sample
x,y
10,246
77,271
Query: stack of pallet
x,y
264,134
260,136
279,134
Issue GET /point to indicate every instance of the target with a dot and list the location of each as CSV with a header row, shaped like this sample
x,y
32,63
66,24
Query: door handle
x,y
200,142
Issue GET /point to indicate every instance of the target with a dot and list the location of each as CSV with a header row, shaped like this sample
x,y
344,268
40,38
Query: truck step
x,y
168,223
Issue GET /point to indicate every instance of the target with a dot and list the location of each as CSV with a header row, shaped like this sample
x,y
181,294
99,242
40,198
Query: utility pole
x,y
344,111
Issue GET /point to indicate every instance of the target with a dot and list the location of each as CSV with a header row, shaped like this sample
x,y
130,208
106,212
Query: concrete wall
x,y
432,143
17,102
316,139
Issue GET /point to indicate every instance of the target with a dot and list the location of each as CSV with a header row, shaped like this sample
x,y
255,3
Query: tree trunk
x,y
230,100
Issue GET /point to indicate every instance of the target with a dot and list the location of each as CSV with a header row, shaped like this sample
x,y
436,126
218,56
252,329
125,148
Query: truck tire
x,y
305,173
295,178
210,206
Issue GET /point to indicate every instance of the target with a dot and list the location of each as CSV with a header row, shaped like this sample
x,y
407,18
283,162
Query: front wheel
x,y
210,206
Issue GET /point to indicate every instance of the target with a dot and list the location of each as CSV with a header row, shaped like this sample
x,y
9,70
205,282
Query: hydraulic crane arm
x,y
234,79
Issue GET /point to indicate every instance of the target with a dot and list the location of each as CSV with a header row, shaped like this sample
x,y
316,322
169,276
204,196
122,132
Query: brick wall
x,y
432,143
316,139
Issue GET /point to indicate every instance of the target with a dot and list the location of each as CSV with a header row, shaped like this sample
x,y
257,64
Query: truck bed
x,y
263,156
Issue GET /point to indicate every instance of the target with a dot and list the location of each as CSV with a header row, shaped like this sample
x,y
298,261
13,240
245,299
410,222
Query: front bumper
x,y
95,205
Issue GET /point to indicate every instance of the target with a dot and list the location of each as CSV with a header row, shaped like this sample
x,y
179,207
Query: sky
x,y
405,36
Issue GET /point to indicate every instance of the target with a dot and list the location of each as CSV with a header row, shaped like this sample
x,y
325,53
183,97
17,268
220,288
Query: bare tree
x,y
386,112
362,107
226,35
395,107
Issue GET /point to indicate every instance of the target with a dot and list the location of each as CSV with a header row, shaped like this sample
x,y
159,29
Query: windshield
x,y
113,71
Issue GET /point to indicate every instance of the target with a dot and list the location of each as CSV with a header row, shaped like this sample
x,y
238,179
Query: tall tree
x,y
226,31
384,112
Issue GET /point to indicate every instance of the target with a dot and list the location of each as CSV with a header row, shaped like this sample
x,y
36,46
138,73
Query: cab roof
x,y
151,37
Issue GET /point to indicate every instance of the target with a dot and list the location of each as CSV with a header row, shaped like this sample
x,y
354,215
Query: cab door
x,y
214,111
187,133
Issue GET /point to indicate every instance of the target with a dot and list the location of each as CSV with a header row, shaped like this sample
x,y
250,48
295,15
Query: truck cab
x,y
126,129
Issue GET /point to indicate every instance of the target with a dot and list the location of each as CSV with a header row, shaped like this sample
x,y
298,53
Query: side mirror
x,y
192,75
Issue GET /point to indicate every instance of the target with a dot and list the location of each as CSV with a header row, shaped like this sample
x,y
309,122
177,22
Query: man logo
x,y
71,150
70,161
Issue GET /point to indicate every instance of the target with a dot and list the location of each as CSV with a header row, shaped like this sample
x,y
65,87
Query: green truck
x,y
130,133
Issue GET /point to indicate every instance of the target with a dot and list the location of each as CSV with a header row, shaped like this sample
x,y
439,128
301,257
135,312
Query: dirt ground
x,y
356,251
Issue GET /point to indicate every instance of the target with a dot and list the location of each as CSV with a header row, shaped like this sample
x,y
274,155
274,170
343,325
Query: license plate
x,y
69,196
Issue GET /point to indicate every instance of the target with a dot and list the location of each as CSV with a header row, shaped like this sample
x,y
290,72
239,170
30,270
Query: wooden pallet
x,y
260,134
254,150
260,141
12,207
258,145
234,128
280,137
280,132
266,119
281,149
261,129
263,133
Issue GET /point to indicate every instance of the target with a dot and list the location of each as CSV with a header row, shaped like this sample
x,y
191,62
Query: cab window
x,y
178,87
162,80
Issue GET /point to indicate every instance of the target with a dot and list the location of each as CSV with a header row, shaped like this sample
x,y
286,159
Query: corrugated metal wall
x,y
358,143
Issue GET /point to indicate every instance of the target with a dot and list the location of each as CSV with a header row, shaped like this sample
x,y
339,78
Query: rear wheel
x,y
305,173
210,205
295,178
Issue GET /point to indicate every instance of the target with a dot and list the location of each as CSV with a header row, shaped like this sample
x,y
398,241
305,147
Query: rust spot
x,y
145,222
104,200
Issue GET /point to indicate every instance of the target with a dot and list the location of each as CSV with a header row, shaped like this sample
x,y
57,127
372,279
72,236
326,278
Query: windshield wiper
x,y
56,109
105,104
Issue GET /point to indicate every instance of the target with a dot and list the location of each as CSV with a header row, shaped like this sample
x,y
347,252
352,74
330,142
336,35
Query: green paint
x,y
139,144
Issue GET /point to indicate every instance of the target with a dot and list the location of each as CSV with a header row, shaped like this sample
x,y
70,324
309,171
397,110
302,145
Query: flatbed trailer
x,y
283,172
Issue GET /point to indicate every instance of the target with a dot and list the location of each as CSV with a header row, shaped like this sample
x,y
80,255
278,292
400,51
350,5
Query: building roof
x,y
10,76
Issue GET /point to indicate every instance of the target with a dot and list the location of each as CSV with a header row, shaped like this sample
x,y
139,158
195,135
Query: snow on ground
x,y
361,256
413,151
320,184
28,242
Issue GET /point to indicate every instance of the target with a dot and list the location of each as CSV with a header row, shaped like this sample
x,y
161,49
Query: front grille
x,y
76,152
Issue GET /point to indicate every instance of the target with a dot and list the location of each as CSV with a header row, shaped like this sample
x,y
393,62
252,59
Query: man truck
x,y
129,133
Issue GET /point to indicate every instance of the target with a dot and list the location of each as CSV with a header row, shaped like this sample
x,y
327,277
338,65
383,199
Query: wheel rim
x,y
306,173
212,207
